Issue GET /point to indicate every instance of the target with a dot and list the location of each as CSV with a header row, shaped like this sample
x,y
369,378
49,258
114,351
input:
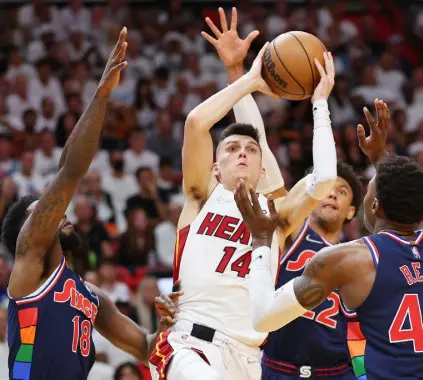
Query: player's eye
x,y
253,150
342,192
232,149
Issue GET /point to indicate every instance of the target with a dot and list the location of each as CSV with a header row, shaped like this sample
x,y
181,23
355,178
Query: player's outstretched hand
x,y
114,66
260,225
327,78
231,48
374,146
254,75
167,307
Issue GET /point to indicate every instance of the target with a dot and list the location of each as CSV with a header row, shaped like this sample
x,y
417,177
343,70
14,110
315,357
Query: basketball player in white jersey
x,y
214,338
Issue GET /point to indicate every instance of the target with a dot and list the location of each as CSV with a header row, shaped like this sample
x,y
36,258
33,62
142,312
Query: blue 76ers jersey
x,y
391,316
49,331
318,338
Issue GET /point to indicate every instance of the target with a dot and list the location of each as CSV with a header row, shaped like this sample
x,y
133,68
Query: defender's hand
x,y
327,78
261,226
167,307
374,146
231,48
255,78
114,66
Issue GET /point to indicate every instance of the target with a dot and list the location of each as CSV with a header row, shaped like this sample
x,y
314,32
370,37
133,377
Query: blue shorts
x,y
303,373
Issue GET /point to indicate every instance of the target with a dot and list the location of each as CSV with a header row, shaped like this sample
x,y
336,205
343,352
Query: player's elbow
x,y
193,120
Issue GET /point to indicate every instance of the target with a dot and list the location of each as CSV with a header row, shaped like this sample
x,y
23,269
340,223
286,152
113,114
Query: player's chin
x,y
68,230
329,214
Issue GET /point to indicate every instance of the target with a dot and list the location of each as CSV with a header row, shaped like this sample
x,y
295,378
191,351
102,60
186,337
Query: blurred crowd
x,y
126,208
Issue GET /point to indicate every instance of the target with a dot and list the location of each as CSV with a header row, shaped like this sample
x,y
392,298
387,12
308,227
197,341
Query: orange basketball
x,y
288,64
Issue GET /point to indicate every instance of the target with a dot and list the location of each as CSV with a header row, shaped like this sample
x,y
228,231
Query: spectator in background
x,y
47,119
161,88
26,179
18,101
95,244
144,104
119,184
354,155
136,242
148,289
17,66
9,124
76,15
45,85
166,179
128,371
4,349
165,234
5,270
47,156
149,197
341,108
138,66
77,46
114,289
388,75
84,85
124,92
65,126
162,142
7,164
101,199
369,90
8,195
137,155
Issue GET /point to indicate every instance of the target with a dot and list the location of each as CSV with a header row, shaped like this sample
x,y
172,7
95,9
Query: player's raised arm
x,y
303,198
40,229
272,309
374,146
125,333
197,151
232,51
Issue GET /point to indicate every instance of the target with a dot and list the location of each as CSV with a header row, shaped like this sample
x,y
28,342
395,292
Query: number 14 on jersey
x,y
241,265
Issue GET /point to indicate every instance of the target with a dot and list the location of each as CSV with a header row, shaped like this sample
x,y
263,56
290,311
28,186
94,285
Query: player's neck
x,y
327,231
406,230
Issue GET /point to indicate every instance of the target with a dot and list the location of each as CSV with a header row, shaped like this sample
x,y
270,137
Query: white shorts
x,y
180,356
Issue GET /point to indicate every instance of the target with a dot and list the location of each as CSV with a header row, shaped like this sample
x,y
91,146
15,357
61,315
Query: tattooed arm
x,y
39,231
331,268
328,270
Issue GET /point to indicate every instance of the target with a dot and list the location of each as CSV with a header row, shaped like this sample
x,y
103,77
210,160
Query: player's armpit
x,y
294,208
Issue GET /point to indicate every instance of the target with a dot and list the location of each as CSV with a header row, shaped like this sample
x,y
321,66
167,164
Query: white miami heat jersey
x,y
212,259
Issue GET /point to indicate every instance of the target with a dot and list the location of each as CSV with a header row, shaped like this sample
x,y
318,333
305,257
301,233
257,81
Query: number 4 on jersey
x,y
240,265
409,308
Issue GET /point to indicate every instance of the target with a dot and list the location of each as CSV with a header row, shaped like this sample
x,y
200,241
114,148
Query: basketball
x,y
288,64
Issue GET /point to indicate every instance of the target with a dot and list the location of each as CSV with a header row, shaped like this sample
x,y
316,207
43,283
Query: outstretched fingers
x,y
223,21
234,20
209,38
256,204
370,120
213,27
320,68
